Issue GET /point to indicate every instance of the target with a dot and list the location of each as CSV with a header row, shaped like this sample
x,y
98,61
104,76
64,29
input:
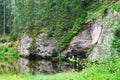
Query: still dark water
x,y
23,65
44,66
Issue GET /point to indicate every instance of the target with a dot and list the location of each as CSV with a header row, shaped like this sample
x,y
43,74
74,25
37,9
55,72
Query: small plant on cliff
x,y
33,47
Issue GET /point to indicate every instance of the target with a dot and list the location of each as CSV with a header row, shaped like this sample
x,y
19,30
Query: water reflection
x,y
42,66
23,65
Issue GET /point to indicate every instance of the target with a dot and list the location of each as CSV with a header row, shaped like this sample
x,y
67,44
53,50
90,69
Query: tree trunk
x,y
4,32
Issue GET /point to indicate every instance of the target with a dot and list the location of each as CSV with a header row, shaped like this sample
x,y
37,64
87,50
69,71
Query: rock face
x,y
45,46
84,40
24,44
103,47
93,39
79,45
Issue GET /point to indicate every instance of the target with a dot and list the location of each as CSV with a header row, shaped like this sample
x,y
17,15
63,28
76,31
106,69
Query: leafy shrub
x,y
13,36
107,69
6,52
115,7
66,38
116,41
13,52
10,44
3,39
33,47
4,48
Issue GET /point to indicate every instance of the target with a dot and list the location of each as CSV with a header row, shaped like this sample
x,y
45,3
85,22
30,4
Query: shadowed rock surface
x,y
24,44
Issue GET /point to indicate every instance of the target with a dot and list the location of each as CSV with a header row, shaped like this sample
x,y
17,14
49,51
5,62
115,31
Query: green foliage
x,y
66,38
78,18
13,36
117,33
59,19
108,69
3,40
56,18
115,7
3,50
6,52
11,45
116,41
8,55
33,31
33,47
